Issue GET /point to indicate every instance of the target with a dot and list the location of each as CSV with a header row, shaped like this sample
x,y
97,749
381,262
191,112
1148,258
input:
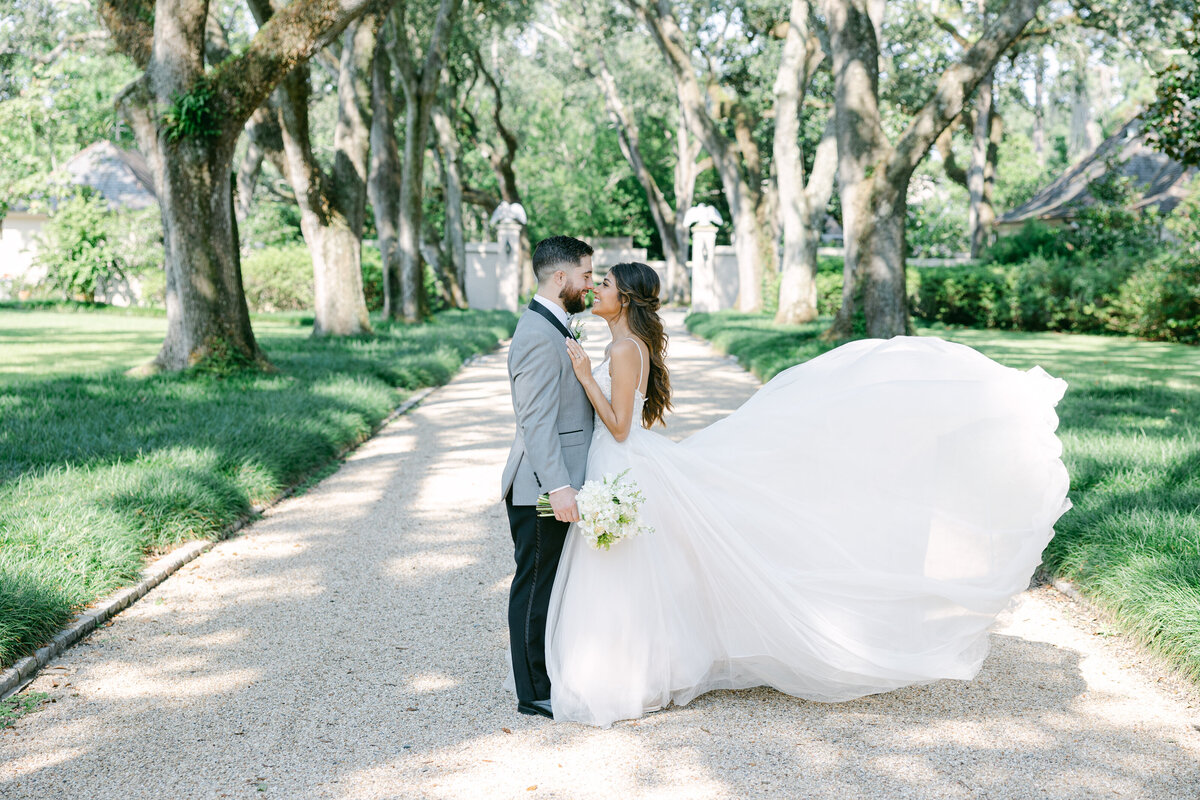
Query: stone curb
x,y
1064,586
20,674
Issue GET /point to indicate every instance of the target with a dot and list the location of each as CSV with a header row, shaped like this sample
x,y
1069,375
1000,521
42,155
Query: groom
x,y
549,454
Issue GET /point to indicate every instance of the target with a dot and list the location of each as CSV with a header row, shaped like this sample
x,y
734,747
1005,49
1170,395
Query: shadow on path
x,y
351,645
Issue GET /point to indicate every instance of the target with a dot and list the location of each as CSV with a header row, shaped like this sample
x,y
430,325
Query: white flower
x,y
609,510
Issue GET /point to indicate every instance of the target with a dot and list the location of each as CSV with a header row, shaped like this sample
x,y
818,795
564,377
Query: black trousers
x,y
537,545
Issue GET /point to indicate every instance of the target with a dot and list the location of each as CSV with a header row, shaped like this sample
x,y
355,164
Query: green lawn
x,y
98,469
1130,426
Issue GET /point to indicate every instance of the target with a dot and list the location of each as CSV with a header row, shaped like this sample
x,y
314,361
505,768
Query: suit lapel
x,y
534,305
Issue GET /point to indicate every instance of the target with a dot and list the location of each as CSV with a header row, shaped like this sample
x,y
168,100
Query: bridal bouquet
x,y
608,510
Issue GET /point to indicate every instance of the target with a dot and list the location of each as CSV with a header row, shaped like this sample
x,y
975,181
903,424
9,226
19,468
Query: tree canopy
x,y
602,118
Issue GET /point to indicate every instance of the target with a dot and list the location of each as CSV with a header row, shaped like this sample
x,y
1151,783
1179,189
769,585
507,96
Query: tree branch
x,y
945,25
820,180
956,84
131,23
945,145
669,38
69,43
290,37
501,163
480,197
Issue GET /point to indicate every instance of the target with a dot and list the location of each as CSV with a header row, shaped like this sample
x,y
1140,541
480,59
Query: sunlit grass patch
x,y
98,469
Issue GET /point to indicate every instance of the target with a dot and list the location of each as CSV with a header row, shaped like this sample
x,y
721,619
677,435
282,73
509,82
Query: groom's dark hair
x,y
551,254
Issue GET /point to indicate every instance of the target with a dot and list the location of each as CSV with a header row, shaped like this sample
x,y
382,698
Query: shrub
x,y
1157,298
271,223
829,293
979,296
1162,300
1073,294
1034,238
281,279
372,272
278,279
1105,273
936,228
1109,224
87,246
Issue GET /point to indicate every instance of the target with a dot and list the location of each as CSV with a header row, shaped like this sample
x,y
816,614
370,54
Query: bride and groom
x,y
856,526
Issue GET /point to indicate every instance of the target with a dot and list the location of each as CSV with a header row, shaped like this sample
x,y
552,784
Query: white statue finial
x,y
702,214
509,212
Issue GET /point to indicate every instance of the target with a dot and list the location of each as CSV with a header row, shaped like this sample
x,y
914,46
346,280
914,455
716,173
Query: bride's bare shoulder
x,y
625,351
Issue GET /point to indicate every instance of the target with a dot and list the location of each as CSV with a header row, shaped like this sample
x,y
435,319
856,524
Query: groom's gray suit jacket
x,y
554,416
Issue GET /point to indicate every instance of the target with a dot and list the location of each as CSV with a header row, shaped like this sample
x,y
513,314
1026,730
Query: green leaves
x,y
1173,118
87,245
194,114
19,705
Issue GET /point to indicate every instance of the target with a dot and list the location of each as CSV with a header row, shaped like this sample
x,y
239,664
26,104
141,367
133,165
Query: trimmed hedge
x,y
1154,298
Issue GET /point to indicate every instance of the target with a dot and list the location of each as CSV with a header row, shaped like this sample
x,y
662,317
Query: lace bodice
x,y
604,379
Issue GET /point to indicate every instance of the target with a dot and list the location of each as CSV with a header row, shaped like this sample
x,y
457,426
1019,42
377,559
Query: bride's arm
x,y
625,366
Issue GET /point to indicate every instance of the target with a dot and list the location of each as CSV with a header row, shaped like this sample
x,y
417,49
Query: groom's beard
x,y
572,302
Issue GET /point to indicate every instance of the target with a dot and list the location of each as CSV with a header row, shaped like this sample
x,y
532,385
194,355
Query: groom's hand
x,y
563,503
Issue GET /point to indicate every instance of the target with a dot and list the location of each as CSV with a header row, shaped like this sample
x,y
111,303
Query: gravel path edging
x,y
386,582
21,673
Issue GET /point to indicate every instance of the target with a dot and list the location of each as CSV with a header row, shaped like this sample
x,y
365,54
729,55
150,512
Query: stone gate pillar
x,y
508,219
508,265
703,220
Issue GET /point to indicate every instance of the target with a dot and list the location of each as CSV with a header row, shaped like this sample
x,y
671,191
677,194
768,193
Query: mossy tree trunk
x,y
735,159
420,83
874,172
802,199
383,179
588,55
332,205
190,149
454,242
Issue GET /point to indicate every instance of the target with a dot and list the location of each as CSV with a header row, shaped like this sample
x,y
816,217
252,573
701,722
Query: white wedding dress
x,y
855,527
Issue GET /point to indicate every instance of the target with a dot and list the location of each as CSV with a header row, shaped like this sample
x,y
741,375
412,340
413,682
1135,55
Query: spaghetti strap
x,y
641,361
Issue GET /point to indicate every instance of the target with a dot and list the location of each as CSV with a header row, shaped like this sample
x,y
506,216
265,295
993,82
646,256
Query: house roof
x,y
1158,177
121,176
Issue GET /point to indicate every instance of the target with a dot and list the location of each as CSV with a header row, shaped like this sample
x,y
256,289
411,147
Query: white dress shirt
x,y
558,311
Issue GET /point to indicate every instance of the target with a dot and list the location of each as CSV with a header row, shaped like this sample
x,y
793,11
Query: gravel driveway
x,y
351,645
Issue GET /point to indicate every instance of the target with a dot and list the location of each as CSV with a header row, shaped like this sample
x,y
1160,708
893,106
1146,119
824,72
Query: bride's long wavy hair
x,y
638,286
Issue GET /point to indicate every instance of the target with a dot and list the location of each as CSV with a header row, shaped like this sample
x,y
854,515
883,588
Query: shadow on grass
x,y
97,470
272,676
758,344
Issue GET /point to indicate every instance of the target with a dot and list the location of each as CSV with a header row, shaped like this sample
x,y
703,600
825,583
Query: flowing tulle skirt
x,y
855,527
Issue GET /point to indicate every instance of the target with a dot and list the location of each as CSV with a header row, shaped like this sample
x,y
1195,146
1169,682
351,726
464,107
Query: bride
x,y
854,527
